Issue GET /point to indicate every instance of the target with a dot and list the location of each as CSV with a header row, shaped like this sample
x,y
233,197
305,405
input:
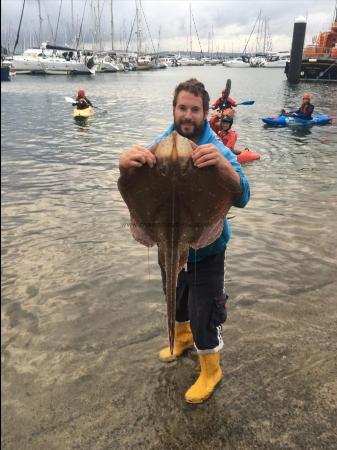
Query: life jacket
x,y
214,121
82,103
228,138
224,104
304,108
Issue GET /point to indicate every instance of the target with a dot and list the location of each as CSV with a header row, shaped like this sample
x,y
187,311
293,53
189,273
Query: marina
x,y
83,310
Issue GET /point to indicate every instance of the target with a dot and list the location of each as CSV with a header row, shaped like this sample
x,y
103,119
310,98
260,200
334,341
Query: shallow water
x,y
82,301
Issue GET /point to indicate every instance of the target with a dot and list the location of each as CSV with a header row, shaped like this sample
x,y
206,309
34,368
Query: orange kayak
x,y
247,155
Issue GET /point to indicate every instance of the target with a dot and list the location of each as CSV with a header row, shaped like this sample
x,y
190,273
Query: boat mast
x,y
18,33
138,32
58,21
112,25
259,32
80,31
212,42
265,35
190,30
196,31
40,22
72,18
158,41
99,24
244,50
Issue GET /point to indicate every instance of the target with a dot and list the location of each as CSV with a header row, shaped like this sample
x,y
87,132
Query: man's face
x,y
189,115
306,101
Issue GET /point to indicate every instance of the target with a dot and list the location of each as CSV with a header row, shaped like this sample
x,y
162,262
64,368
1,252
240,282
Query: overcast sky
x,y
232,22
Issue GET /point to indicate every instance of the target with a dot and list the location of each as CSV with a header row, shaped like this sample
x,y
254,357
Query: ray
x,y
176,206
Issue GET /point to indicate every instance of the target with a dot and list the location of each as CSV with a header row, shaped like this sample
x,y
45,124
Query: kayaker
x,y
201,306
82,102
224,102
226,134
305,110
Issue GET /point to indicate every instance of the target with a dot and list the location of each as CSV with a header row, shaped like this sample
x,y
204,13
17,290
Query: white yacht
x,y
277,60
190,62
28,62
211,61
257,61
105,63
145,63
52,61
240,62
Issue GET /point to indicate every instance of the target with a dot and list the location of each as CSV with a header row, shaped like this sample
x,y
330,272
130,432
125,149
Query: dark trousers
x,y
202,301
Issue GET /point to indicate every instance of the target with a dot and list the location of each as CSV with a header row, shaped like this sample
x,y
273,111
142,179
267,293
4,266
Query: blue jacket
x,y
209,137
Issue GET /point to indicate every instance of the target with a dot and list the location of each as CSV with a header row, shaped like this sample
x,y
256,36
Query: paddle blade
x,y
69,100
225,95
247,102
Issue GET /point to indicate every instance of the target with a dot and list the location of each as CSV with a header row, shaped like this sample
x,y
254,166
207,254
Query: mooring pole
x,y
296,55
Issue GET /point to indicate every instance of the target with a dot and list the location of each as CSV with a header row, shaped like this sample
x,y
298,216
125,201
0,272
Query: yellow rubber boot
x,y
209,377
183,341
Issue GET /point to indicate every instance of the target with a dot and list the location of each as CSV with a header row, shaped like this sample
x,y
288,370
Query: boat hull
x,y
83,113
284,121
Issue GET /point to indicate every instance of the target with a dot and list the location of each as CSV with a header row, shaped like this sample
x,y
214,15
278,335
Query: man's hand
x,y
208,155
136,156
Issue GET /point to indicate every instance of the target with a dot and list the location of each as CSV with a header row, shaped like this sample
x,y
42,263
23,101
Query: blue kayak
x,y
284,121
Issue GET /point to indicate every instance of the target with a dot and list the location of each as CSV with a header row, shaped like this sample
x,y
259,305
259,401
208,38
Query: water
x,y
82,318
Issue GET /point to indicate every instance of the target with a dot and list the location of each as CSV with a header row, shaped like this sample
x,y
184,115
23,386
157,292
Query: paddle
x,y
71,100
246,102
227,90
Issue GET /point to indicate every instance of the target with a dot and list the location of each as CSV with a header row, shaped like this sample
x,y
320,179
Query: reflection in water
x,y
82,123
81,324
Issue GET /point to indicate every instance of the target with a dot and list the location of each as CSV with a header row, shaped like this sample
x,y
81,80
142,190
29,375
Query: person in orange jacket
x,y
223,102
228,136
215,120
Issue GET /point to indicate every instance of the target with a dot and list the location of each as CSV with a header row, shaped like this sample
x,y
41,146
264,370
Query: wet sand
x,y
279,389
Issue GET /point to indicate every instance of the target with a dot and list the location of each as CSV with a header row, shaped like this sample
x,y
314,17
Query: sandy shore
x,y
279,389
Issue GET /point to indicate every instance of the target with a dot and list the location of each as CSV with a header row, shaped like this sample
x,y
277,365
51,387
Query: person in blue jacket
x,y
201,299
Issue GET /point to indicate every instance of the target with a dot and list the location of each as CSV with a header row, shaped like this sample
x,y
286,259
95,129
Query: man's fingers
x,y
135,164
201,151
140,157
150,159
206,158
211,162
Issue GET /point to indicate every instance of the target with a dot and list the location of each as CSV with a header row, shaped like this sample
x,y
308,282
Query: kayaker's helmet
x,y
81,93
306,96
226,118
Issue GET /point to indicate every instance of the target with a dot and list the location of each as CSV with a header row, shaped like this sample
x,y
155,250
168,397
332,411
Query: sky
x,y
229,22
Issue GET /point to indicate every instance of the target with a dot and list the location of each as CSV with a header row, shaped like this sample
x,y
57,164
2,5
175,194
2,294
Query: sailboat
x,y
144,62
51,59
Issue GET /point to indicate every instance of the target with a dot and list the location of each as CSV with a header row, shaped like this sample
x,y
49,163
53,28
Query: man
x,y
82,102
201,301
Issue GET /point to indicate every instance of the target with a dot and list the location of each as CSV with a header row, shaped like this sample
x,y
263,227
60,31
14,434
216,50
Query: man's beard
x,y
195,132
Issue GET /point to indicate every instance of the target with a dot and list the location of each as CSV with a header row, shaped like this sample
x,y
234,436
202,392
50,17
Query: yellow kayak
x,y
87,112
